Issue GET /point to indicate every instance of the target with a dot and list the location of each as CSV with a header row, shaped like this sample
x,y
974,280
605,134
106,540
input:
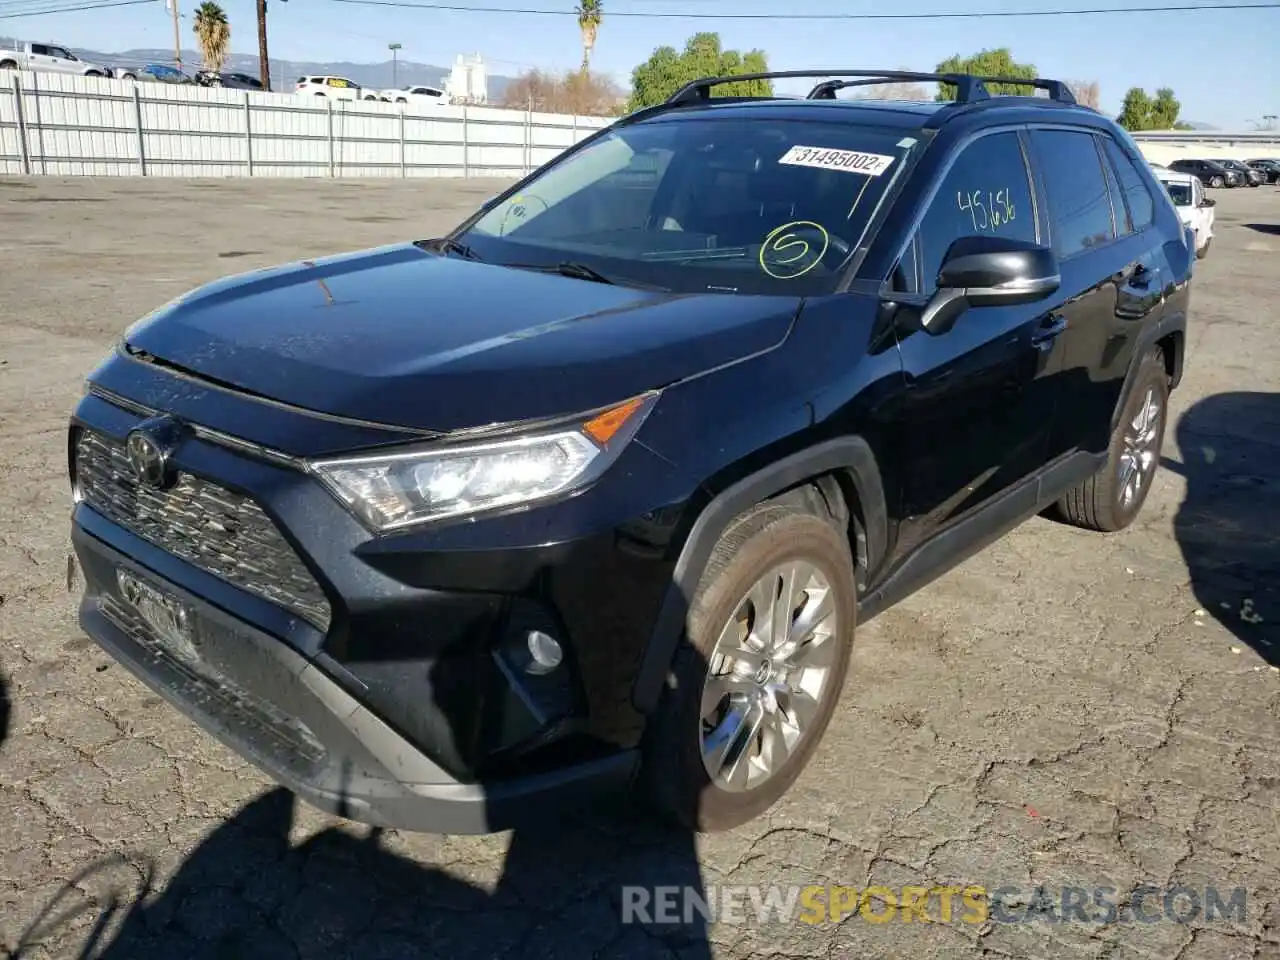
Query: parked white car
x,y
48,58
1195,209
335,88
417,96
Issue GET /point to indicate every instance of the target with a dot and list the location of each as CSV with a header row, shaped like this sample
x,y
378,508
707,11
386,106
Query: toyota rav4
x,y
592,491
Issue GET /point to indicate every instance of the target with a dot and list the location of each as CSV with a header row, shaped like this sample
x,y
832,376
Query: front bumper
x,y
394,694
287,716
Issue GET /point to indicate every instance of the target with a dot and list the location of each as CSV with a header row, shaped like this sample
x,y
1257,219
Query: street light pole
x,y
393,47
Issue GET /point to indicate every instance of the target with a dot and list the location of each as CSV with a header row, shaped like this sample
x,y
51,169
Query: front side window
x,y
703,204
985,193
1078,201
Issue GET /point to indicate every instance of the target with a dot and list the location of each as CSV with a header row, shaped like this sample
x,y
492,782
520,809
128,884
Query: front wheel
x,y
1111,498
759,672
1216,182
1204,250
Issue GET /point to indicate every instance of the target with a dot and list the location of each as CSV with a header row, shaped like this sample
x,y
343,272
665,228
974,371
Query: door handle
x,y
1049,330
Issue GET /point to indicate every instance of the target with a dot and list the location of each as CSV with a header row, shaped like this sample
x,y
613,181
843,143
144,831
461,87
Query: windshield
x,y
699,204
1180,192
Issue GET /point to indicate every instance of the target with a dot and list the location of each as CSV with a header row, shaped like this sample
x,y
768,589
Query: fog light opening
x,y
544,653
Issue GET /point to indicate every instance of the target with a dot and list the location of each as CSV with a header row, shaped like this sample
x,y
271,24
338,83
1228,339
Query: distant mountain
x,y
1198,125
285,72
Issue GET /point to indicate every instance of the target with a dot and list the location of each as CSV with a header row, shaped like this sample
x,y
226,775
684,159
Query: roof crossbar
x,y
969,88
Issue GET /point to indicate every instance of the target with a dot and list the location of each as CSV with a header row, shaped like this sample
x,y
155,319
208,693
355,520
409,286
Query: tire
x,y
8,65
1099,503
1216,182
93,73
675,778
1204,251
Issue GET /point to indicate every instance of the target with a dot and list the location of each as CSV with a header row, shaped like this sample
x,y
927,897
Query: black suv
x,y
1248,175
592,491
1270,169
1212,173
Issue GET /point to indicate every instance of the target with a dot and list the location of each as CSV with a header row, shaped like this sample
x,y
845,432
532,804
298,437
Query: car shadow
x,y
1270,228
1227,526
261,887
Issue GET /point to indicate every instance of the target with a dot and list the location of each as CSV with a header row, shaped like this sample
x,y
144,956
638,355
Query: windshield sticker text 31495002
x,y
849,161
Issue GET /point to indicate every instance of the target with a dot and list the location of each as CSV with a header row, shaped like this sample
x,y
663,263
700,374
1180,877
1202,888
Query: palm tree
x,y
589,17
213,33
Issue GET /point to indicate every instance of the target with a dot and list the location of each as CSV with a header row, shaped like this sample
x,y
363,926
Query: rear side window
x,y
986,192
40,49
1137,198
1079,205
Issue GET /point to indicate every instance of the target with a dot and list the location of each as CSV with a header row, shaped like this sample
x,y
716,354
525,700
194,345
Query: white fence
x,y
66,125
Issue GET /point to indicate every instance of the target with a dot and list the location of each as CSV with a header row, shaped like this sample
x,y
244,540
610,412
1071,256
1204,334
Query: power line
x,y
949,15
60,6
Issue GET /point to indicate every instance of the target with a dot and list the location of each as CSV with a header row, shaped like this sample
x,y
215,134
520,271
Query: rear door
x,y
1101,216
980,398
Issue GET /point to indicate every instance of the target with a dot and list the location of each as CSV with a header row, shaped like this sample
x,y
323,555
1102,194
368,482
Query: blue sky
x,y
1222,64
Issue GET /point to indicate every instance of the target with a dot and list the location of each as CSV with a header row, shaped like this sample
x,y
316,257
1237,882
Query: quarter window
x,y
1079,205
1137,198
986,192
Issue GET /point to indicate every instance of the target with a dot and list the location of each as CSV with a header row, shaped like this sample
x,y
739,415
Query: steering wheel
x,y
791,250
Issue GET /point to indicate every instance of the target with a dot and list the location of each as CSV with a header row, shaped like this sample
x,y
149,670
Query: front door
x,y
980,398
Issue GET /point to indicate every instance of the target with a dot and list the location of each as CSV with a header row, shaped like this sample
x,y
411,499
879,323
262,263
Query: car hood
x,y
400,336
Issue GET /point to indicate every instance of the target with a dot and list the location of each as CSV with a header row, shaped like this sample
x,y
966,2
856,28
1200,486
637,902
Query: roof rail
x,y
969,88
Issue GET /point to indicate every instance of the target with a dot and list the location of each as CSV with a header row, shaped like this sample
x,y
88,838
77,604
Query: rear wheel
x,y
8,65
1112,498
759,672
93,73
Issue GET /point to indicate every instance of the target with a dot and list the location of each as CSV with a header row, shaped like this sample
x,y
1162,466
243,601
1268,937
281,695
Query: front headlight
x,y
390,491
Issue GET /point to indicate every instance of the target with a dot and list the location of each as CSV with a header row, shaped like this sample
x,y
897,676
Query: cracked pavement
x,y
1065,709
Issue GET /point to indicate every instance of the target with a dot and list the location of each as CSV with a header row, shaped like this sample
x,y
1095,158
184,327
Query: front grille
x,y
212,528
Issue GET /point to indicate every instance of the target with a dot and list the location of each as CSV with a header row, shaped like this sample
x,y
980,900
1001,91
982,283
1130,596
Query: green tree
x,y
1164,110
1135,113
667,70
987,63
213,34
590,15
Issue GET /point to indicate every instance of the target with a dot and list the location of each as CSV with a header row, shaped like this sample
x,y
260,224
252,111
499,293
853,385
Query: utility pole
x,y
264,65
177,34
393,47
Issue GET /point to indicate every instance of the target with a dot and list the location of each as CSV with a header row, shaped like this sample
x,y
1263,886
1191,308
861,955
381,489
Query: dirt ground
x,y
1064,709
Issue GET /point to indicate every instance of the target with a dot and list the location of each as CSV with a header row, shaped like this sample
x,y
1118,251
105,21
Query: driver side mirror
x,y
1208,202
989,272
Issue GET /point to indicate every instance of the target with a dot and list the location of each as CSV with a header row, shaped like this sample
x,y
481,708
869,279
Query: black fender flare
x,y
1171,323
851,454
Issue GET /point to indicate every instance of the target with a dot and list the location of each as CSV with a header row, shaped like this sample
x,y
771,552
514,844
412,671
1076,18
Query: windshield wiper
x,y
580,271
449,245
566,268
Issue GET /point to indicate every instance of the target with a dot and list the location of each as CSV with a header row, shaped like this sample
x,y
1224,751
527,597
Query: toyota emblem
x,y
149,447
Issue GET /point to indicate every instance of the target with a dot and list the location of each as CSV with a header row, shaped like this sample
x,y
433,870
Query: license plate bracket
x,y
170,620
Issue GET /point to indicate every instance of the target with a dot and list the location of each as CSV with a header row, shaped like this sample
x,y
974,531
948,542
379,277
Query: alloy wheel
x,y
767,675
1140,452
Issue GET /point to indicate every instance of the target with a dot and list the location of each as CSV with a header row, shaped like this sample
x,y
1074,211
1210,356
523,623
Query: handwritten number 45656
x,y
987,213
